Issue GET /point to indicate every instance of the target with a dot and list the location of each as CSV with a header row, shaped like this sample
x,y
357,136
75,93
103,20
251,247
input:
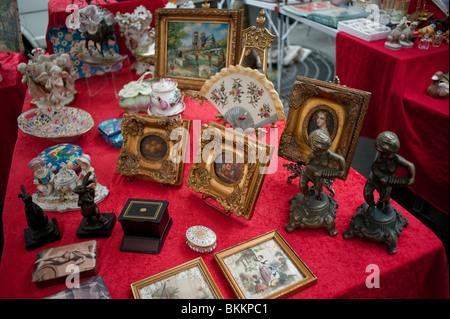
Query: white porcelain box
x,y
364,29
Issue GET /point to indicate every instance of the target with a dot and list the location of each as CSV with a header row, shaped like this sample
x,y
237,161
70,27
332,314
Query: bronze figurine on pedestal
x,y
313,208
380,221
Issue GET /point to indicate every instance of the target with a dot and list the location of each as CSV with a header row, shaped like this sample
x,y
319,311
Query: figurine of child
x,y
43,176
318,164
382,177
85,163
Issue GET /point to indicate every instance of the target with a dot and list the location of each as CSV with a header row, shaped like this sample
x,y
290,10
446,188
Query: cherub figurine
x,y
313,208
43,177
317,165
382,178
380,221
85,163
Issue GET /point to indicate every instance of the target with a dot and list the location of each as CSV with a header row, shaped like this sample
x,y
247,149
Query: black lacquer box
x,y
145,225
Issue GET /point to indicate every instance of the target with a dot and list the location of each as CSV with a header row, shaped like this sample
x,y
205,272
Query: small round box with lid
x,y
201,239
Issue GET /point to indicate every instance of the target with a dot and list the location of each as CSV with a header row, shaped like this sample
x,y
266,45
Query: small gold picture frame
x,y
264,267
230,168
315,104
153,148
191,280
194,44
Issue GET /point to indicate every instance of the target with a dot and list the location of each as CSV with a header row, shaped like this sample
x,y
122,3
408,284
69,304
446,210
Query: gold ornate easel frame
x,y
239,196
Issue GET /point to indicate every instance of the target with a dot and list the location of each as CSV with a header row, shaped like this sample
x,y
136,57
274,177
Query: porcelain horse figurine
x,y
396,35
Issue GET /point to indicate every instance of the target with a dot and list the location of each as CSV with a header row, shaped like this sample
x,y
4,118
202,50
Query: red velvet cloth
x,y
57,14
12,93
418,270
398,81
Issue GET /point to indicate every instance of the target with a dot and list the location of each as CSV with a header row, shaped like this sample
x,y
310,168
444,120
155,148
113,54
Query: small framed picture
x,y
153,147
335,109
230,168
265,267
191,280
193,44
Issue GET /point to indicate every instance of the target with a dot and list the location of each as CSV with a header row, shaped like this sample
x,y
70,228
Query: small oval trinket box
x,y
201,239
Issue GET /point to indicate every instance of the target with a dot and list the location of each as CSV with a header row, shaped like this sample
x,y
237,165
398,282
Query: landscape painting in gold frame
x,y
265,267
153,148
315,104
230,168
193,44
191,280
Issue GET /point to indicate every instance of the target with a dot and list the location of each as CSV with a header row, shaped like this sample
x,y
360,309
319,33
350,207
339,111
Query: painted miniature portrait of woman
x,y
322,120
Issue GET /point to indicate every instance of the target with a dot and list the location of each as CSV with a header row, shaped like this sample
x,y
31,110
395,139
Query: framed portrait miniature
x,y
191,280
264,267
335,109
153,148
229,168
194,44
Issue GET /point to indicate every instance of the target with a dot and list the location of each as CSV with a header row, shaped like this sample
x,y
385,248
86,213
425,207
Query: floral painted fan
x,y
244,97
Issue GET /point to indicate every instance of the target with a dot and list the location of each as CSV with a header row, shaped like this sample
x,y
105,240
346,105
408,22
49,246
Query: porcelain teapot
x,y
165,98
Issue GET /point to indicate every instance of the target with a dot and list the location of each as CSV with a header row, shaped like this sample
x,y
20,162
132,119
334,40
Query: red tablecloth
x,y
12,93
398,81
57,14
418,270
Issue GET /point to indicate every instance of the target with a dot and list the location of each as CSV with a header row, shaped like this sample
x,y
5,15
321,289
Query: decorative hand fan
x,y
244,97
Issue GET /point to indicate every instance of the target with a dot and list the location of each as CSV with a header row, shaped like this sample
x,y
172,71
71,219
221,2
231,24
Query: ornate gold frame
x,y
198,262
308,277
346,105
131,162
240,196
234,18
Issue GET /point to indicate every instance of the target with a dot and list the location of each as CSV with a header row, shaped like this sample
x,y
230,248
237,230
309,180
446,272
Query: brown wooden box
x,y
144,217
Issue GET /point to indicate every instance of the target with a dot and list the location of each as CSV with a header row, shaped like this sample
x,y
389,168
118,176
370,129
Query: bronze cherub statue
x,y
313,207
380,221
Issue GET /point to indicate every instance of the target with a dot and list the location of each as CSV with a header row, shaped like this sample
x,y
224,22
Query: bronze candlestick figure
x,y
380,221
313,208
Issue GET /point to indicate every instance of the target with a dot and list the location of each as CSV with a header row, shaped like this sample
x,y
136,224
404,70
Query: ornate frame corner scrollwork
x,y
136,128
347,108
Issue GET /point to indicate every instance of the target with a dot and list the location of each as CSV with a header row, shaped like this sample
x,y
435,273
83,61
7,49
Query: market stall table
x,y
418,270
12,94
398,81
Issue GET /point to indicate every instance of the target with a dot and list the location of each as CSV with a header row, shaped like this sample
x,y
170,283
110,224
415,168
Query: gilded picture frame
x,y
230,168
337,109
265,267
194,44
191,280
153,148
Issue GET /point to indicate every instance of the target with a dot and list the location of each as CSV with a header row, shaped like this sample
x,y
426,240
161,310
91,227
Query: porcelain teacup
x,y
165,97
